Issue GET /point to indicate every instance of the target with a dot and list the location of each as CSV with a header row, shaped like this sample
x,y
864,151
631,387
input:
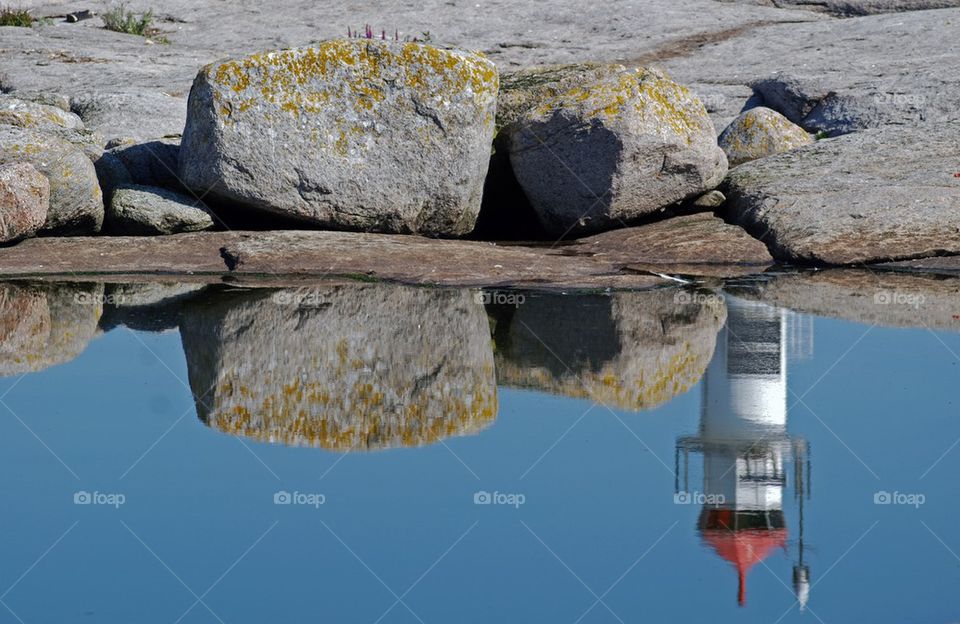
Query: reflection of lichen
x,y
662,350
648,389
45,324
350,368
311,414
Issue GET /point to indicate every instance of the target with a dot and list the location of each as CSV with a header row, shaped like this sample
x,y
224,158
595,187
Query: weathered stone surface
x,y
71,58
141,115
360,134
24,200
871,297
638,351
76,204
45,324
408,259
417,260
850,8
886,194
596,151
700,244
147,211
760,132
900,69
345,368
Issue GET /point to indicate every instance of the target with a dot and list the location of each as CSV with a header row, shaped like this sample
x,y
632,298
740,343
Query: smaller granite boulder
x,y
111,173
76,203
710,199
597,146
878,195
24,199
791,96
147,211
761,132
49,119
36,116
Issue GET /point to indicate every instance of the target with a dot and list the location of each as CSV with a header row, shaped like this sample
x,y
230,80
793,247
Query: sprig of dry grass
x,y
15,17
119,19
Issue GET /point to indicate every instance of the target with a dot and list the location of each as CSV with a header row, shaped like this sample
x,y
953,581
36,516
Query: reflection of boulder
x,y
629,350
149,306
44,324
342,367
864,296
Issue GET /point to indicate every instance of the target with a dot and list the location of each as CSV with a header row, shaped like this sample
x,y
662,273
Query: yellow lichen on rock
x,y
761,132
305,79
26,114
662,105
349,374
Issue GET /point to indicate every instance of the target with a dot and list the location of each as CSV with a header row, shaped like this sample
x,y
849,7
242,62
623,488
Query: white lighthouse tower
x,y
745,445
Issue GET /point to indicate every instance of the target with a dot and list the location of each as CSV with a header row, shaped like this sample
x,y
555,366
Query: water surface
x,y
376,453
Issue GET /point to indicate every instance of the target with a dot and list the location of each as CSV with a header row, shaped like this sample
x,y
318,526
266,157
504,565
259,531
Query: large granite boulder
x,y
342,367
358,134
44,324
886,194
76,203
596,146
760,132
631,351
24,200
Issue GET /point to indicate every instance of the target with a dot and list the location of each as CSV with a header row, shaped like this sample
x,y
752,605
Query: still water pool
x,y
372,453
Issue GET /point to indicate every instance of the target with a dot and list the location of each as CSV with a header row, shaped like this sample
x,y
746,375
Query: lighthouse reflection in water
x,y
745,445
